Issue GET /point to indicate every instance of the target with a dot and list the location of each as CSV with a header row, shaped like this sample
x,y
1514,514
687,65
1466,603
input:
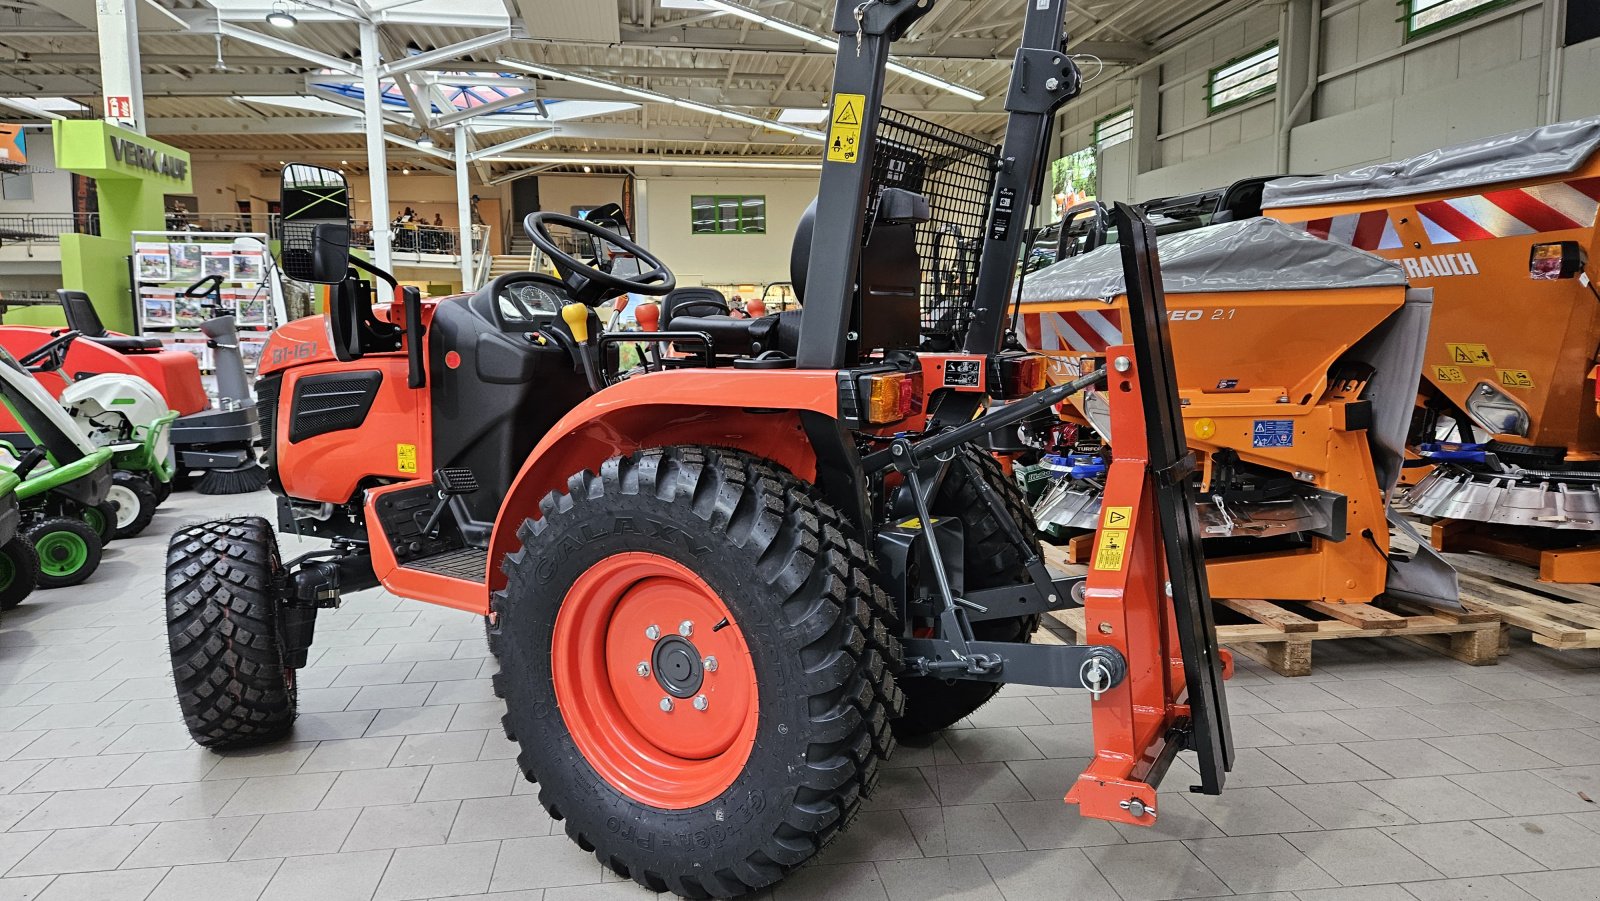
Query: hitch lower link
x,y
956,653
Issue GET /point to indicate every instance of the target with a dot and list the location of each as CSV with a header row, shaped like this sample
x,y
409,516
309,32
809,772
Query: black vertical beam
x,y
845,186
1043,78
1170,463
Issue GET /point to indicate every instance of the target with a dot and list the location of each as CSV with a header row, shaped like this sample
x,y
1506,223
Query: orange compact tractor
x,y
1296,361
1503,231
719,583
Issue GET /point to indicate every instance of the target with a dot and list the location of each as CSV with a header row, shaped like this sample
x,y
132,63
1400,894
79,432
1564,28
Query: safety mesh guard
x,y
956,173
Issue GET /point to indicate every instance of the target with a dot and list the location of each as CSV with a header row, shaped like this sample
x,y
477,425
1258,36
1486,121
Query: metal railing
x,y
45,228
227,222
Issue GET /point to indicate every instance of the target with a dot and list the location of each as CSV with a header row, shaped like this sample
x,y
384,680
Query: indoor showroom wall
x,y
1379,97
725,259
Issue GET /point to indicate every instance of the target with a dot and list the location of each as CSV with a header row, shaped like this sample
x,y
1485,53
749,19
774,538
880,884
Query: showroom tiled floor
x,y
1389,775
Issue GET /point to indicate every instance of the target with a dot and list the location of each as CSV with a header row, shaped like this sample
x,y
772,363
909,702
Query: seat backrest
x,y
41,415
81,314
692,301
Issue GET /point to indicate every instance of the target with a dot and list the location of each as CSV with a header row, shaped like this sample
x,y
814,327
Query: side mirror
x,y
316,224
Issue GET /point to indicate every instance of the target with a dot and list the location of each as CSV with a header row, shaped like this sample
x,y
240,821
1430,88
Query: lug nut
x,y
652,632
685,628
710,663
666,705
644,669
700,702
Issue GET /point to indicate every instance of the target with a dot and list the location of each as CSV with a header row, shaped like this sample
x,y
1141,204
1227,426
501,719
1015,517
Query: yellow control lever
x,y
577,319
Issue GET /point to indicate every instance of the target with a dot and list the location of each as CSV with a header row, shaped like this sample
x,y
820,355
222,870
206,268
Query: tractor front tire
x,y
135,502
991,560
222,611
19,571
68,550
695,664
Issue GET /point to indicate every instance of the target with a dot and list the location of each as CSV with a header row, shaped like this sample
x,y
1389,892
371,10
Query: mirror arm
x,y
374,271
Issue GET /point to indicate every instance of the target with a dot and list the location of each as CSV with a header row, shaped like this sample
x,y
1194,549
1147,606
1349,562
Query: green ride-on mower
x,y
63,481
723,582
19,564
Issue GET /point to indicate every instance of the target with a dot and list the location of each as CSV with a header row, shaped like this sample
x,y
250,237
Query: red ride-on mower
x,y
219,442
718,584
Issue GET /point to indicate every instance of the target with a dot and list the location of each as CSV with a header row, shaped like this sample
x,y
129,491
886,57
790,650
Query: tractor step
x,y
469,564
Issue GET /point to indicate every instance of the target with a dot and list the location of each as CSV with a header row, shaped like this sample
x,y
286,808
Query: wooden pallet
x,y
1280,635
1565,617
1568,557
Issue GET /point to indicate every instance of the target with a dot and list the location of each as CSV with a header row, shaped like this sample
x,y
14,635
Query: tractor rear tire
x,y
19,571
68,550
135,502
695,663
222,611
991,560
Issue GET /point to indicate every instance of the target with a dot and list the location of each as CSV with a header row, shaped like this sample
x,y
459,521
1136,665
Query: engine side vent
x,y
332,403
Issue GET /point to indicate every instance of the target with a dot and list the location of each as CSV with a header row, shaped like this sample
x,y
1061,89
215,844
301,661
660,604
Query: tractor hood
x,y
1538,152
1252,255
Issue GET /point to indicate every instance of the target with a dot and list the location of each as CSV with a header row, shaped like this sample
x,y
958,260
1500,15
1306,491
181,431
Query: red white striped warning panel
x,y
1475,217
1089,330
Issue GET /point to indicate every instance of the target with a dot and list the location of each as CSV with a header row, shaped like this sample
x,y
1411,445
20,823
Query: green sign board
x,y
104,151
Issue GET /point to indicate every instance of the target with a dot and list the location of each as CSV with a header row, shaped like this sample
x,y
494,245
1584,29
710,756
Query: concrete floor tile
x,y
1463,719
1342,805
1298,697
1472,888
402,826
1555,841
1560,885
182,801
295,834
1387,723
328,877
1408,758
361,788
902,788
978,783
875,835
1491,753
351,754
324,726
1046,875
1521,793
999,744
1309,727
165,767
1067,740
79,850
1534,714
415,720
1431,799
1155,871
73,809
110,885
438,747
1461,849
1362,856
1259,863
191,841
1356,893
72,773
1567,747
1323,763
242,880
518,816
530,863
944,879
1252,811
1177,818
24,888
1441,689
479,779
1044,825
1370,694
279,794
956,830
417,873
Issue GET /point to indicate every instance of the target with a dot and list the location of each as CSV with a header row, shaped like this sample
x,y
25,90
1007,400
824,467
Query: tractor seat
x,y
706,310
81,317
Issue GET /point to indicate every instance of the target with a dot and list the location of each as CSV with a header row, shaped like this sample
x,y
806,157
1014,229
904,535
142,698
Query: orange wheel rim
x,y
654,681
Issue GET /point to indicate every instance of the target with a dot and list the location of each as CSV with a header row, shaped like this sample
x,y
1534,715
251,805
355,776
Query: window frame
x,y
1122,137
716,221
1450,21
1213,107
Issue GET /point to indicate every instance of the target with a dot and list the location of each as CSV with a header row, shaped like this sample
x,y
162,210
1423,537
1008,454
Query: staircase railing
x,y
483,259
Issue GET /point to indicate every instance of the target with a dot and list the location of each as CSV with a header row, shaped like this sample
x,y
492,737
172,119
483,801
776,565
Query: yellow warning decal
x,y
1108,551
1451,375
916,522
405,457
1515,378
1470,354
844,129
1117,517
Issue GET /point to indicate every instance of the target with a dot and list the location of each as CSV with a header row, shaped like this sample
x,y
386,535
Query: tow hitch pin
x,y
1095,677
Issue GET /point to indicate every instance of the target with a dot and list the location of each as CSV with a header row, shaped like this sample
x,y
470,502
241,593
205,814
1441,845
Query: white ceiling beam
x,y
409,144
451,51
513,144
351,103
323,125
287,47
484,109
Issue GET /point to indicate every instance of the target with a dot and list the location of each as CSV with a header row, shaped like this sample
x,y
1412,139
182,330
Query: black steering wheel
x,y
590,285
51,355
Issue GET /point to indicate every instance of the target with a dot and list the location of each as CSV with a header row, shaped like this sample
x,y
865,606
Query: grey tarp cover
x,y
1548,150
1249,255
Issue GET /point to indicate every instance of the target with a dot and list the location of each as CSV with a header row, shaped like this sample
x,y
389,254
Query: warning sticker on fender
x,y
1117,517
1515,378
1469,354
1110,548
1449,375
405,457
1272,433
844,129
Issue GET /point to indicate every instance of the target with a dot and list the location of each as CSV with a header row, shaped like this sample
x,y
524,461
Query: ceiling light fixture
x,y
654,97
833,45
280,17
588,169
424,140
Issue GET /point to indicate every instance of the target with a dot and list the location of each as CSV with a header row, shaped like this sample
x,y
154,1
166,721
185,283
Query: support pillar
x,y
464,207
377,159
120,82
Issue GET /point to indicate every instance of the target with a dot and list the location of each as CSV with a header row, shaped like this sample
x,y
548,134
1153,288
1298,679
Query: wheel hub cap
x,y
677,667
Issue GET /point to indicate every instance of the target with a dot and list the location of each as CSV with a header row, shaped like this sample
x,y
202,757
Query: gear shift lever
x,y
576,316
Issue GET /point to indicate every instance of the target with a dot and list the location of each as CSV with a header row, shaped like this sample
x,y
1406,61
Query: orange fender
x,y
756,411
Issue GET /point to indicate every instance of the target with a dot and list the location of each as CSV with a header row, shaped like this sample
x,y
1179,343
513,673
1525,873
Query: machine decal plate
x,y
405,457
1470,354
1449,375
1515,378
1118,517
1272,433
1110,549
844,132
963,373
